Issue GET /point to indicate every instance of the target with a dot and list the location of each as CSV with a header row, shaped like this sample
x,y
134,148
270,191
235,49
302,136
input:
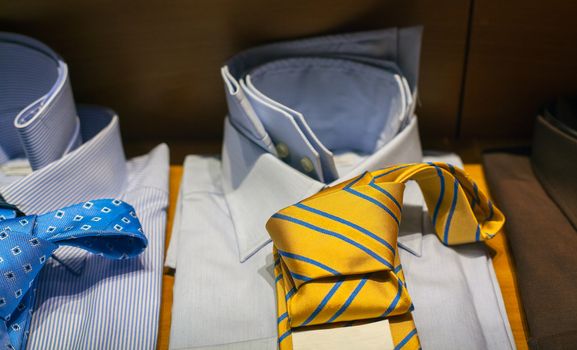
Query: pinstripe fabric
x,y
107,227
88,302
38,117
336,257
101,160
45,130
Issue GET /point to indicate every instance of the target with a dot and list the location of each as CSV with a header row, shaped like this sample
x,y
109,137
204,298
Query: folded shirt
x,y
83,301
222,303
38,118
278,94
224,285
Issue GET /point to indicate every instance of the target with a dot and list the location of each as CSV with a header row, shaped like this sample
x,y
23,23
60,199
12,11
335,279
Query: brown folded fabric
x,y
538,195
544,247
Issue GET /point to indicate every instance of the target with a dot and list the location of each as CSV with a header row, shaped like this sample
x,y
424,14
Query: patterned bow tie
x,y
105,227
336,258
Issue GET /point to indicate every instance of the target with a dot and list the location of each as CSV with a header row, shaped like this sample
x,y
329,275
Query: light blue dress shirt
x,y
38,118
83,301
354,95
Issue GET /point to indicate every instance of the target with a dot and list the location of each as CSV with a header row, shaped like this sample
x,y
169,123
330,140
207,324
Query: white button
x,y
282,150
307,165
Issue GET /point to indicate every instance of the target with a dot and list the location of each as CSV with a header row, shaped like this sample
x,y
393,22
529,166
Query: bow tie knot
x,y
106,227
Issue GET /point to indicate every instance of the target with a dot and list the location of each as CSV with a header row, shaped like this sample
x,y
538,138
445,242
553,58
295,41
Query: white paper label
x,y
374,335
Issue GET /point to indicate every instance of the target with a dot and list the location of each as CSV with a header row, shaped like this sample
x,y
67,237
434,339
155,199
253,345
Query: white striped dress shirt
x,y
83,301
106,304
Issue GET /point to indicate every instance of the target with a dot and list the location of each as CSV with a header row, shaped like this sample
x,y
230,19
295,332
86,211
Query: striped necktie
x,y
107,227
336,257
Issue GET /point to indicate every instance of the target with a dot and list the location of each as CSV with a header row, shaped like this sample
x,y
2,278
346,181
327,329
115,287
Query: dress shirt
x,y
36,103
222,303
85,301
224,285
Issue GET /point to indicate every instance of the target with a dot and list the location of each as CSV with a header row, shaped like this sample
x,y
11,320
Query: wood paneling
x,y
522,55
157,62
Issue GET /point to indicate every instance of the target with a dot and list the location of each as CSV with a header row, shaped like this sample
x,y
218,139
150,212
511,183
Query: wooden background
x,y
486,66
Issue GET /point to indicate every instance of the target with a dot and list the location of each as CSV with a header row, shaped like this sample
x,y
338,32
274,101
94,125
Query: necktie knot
x,y
363,243
8,210
326,254
336,257
106,227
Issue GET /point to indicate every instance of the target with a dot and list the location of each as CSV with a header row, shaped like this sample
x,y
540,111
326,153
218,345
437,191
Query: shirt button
x,y
307,165
282,150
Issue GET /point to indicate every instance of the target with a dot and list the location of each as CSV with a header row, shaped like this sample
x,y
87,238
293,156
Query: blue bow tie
x,y
105,227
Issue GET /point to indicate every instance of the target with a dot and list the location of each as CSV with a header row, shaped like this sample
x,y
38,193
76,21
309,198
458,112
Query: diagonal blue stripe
x,y
290,293
334,234
396,300
297,276
346,222
491,211
374,201
451,212
350,298
442,193
406,339
323,302
282,317
476,196
392,171
278,278
285,334
451,168
356,180
386,193
478,233
308,260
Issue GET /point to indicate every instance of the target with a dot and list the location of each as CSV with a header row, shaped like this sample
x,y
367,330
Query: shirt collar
x,y
400,45
96,169
36,90
257,184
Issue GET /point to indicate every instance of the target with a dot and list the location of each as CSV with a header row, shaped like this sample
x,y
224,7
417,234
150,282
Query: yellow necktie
x,y
336,258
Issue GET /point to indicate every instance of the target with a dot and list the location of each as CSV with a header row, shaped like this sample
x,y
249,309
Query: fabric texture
x,y
273,156
38,117
240,297
93,296
83,301
107,227
280,95
336,257
536,193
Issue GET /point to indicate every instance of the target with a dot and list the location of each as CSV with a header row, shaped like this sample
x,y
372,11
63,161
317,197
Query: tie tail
x,y
107,227
460,212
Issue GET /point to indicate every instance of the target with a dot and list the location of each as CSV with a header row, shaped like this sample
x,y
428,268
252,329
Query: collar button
x,y
282,150
307,165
